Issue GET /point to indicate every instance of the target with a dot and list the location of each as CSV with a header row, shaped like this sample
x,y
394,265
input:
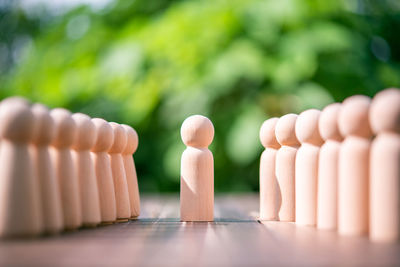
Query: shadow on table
x,y
177,220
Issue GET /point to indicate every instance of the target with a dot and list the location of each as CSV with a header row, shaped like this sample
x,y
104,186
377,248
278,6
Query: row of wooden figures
x,y
62,171
338,169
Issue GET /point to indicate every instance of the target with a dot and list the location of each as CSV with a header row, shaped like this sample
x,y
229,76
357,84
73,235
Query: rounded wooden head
x,y
17,122
132,140
197,131
353,116
86,132
267,133
65,128
384,113
16,100
105,135
120,138
307,127
45,130
328,122
285,130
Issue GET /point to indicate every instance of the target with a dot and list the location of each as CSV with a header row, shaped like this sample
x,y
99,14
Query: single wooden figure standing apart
x,y
269,190
197,170
307,133
20,205
354,166
130,170
85,140
328,167
285,165
102,166
385,167
118,173
49,187
65,168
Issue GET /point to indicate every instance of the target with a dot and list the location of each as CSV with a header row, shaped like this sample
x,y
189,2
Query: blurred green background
x,y
152,63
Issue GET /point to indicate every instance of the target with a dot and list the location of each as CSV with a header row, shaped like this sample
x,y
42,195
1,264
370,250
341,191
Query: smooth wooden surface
x,y
270,197
197,170
306,169
130,169
19,187
118,172
328,167
384,187
89,191
353,168
102,166
285,165
49,189
235,238
65,169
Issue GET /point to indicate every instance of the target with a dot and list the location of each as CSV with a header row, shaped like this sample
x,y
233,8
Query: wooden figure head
x,y
65,128
307,127
267,133
45,130
16,100
105,135
120,138
384,113
285,130
197,131
17,122
132,140
353,116
328,122
86,132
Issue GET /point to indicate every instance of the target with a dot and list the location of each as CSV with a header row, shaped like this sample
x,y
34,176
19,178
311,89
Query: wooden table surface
x,y
236,238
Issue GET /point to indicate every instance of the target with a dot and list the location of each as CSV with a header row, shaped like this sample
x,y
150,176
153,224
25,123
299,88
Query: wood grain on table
x,y
236,238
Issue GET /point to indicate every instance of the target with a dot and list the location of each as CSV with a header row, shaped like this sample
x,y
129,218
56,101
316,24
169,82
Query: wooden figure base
x,y
70,230
90,225
106,223
197,221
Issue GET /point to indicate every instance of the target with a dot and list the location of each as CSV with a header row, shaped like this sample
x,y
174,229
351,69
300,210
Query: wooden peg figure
x,y
307,133
118,173
328,168
269,190
65,169
354,166
20,204
102,165
130,170
385,167
197,170
49,187
89,192
285,165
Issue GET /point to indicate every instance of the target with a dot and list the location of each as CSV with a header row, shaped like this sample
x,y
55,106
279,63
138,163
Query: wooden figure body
x,y
354,166
130,170
20,204
269,190
118,172
307,133
328,168
385,167
285,165
65,168
102,165
89,193
197,170
49,187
